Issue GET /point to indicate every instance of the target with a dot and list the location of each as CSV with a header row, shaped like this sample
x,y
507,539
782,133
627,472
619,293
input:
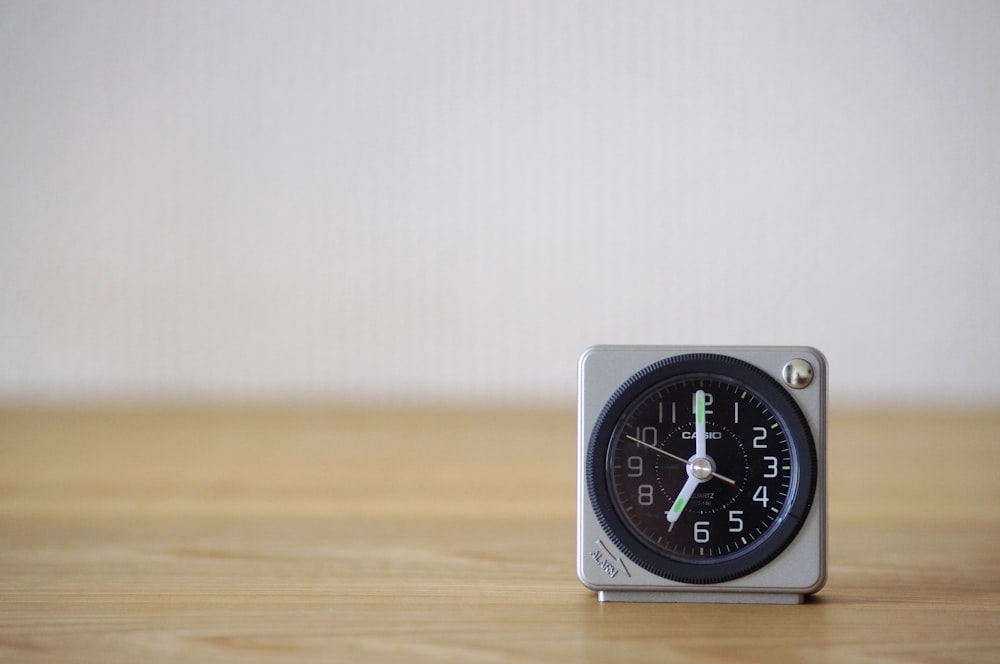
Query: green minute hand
x,y
699,424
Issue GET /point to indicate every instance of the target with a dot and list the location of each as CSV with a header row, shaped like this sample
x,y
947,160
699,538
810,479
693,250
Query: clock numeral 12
x,y
709,399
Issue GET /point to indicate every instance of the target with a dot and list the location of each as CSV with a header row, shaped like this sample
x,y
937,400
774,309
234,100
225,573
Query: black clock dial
x,y
703,467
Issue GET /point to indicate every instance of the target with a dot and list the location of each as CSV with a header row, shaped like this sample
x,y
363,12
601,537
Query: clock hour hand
x,y
682,499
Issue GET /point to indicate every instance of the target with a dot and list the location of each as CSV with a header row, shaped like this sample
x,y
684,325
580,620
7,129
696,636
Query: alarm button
x,y
797,373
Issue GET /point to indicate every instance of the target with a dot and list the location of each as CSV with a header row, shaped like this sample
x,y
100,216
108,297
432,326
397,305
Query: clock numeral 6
x,y
701,532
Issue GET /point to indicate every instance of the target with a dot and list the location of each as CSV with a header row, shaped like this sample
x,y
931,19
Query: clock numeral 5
x,y
736,523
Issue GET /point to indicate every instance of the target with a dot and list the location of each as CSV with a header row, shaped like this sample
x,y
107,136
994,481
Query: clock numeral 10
x,y
642,434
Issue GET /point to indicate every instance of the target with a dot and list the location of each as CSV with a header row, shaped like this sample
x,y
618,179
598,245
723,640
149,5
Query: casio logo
x,y
709,435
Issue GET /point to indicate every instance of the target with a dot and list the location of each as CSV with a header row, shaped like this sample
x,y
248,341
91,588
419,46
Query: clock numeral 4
x,y
760,495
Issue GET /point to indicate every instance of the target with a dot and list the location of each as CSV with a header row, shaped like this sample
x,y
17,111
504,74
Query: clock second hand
x,y
677,458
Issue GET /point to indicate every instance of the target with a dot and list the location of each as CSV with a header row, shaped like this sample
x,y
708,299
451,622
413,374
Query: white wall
x,y
342,200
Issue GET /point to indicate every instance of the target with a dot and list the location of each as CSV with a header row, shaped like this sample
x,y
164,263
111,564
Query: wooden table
x,y
448,535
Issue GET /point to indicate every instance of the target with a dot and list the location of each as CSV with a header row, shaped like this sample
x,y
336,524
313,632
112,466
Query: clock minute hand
x,y
699,425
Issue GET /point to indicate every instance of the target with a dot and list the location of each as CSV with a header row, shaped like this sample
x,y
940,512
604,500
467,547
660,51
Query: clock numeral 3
x,y
772,467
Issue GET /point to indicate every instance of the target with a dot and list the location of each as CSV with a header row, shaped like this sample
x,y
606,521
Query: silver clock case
x,y
797,571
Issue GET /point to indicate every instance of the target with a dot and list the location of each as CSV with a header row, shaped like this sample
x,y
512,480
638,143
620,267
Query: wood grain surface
x,y
355,535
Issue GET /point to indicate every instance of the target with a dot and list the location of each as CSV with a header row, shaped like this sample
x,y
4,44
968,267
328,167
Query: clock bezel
x,y
712,569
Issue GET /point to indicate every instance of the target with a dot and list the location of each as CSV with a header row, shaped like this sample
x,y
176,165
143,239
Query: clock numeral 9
x,y
635,465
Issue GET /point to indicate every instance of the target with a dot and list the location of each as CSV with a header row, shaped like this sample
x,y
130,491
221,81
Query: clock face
x,y
703,467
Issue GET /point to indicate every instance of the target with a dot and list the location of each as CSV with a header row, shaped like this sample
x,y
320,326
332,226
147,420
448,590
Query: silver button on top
x,y
797,373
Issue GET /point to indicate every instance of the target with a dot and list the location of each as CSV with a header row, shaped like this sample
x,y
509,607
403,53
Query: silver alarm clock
x,y
701,473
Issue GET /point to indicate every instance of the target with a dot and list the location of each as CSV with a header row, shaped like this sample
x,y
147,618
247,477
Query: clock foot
x,y
706,596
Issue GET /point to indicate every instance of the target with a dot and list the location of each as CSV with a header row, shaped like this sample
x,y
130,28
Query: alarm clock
x,y
701,473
